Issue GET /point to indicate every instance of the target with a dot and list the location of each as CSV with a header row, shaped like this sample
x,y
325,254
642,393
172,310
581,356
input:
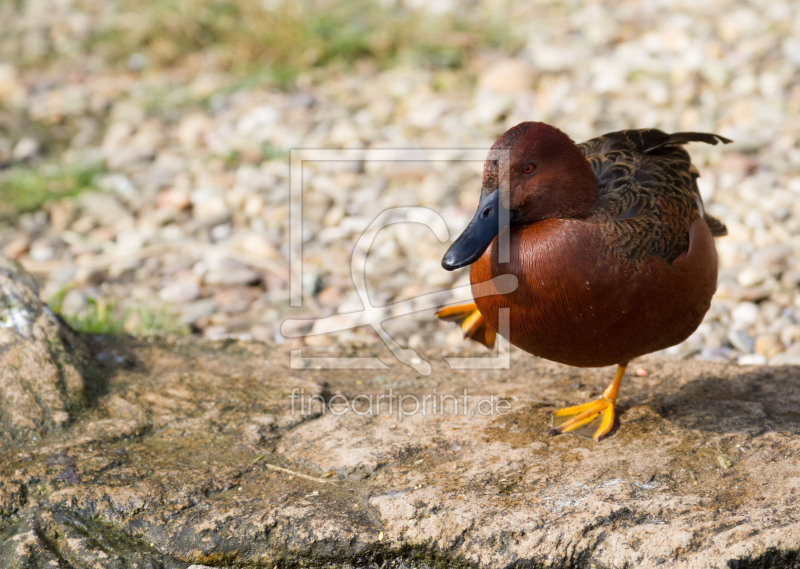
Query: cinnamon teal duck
x,y
610,244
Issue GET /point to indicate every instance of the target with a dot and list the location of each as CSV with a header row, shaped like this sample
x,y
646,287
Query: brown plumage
x,y
609,241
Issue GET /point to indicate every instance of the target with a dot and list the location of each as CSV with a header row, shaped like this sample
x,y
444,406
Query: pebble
x,y
508,76
752,276
745,313
228,272
741,340
17,246
25,149
768,345
752,360
180,292
192,312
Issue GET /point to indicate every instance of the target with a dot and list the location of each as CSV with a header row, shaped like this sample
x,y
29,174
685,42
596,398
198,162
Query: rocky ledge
x,y
46,374
223,455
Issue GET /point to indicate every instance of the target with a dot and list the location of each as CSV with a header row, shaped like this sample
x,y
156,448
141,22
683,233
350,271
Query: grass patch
x,y
287,37
107,318
277,39
25,189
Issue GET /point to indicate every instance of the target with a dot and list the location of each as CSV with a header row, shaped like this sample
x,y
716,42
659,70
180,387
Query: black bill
x,y
478,235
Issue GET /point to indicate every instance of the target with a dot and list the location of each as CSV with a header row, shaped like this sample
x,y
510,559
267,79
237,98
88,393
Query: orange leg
x,y
595,418
472,322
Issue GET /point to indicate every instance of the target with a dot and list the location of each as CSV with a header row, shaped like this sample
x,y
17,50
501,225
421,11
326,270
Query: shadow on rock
x,y
752,402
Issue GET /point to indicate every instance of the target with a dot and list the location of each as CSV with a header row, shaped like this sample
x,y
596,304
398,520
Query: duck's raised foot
x,y
472,322
594,419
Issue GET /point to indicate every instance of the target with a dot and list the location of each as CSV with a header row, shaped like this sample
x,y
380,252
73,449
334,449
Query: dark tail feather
x,y
717,228
654,142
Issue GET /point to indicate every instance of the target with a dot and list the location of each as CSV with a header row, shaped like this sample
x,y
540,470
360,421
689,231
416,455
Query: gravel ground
x,y
191,213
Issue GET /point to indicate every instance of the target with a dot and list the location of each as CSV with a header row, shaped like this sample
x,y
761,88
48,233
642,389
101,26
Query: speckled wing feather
x,y
648,195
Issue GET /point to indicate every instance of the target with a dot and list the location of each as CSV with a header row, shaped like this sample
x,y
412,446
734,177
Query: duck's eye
x,y
529,168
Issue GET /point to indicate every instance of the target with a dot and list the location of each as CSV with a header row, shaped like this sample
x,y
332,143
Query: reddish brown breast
x,y
581,304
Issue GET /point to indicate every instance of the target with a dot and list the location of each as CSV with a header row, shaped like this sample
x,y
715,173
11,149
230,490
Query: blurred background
x,y
144,148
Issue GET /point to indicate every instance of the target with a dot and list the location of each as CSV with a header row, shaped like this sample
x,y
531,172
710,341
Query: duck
x,y
609,242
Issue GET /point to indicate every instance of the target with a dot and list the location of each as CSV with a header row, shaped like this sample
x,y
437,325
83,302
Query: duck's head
x,y
533,172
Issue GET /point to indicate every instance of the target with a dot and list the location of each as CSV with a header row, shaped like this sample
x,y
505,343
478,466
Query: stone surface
x,y
197,453
46,377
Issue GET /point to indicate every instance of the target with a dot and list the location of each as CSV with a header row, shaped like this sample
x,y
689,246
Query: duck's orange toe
x,y
471,321
594,419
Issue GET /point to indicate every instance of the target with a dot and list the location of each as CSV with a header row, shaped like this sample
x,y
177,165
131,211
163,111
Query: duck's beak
x,y
478,235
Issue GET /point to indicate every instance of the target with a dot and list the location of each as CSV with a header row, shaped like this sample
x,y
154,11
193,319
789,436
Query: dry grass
x,y
280,39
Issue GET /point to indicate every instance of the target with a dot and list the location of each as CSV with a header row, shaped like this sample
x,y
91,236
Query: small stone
x,y
192,130
25,149
17,246
176,199
741,340
12,89
180,292
791,279
106,209
725,461
330,296
263,333
197,310
62,214
231,272
752,360
92,276
752,276
768,345
102,234
237,299
42,250
221,232
209,204
745,313
508,76
256,244
785,359
790,335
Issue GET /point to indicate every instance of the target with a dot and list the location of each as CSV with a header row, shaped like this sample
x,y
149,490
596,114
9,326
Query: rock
x,y
192,130
508,76
176,198
107,210
17,246
180,292
745,313
752,276
42,538
741,340
12,89
768,345
237,299
43,249
196,450
785,359
752,360
198,310
26,149
46,373
229,272
209,204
